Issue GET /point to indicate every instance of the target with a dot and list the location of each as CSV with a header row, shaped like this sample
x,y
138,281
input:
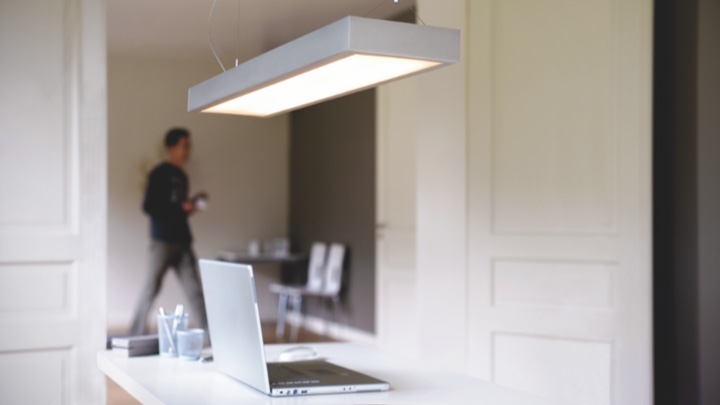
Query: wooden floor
x,y
117,396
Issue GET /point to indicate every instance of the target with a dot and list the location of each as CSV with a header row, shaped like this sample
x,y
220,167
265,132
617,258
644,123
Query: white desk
x,y
244,258
154,380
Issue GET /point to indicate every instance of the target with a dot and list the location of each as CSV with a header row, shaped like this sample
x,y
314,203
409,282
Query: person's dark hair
x,y
174,135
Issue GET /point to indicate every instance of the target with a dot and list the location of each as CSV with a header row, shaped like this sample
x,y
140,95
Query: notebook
x,y
237,344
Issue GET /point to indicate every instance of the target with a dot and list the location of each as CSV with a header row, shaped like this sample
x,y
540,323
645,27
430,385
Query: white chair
x,y
325,284
333,278
314,282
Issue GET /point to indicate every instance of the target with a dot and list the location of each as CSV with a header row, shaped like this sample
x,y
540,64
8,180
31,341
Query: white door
x,y
534,203
395,239
52,201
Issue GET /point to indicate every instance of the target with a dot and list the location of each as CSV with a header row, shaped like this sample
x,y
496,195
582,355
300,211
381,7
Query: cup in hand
x,y
168,326
201,201
190,343
201,204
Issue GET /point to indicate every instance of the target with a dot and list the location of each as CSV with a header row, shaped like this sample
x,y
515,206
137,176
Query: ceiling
x,y
239,28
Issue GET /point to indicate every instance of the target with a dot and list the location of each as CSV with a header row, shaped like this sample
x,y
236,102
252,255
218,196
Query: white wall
x,y
241,162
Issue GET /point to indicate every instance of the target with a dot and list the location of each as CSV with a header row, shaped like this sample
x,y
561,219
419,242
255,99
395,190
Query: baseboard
x,y
332,329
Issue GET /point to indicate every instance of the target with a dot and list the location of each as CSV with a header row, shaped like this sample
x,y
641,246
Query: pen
x,y
167,330
179,309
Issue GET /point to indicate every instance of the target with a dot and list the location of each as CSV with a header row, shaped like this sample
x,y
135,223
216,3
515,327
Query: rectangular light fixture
x,y
349,55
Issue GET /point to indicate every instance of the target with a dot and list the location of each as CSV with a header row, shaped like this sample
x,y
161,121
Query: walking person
x,y
167,204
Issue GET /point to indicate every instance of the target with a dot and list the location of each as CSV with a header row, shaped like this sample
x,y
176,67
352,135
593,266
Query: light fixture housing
x,y
349,55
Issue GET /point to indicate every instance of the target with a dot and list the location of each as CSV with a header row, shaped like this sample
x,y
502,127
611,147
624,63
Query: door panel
x,y
559,202
47,369
532,174
546,284
52,213
574,369
38,289
36,151
553,135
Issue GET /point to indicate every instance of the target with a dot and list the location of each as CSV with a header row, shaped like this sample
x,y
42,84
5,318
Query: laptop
x,y
237,344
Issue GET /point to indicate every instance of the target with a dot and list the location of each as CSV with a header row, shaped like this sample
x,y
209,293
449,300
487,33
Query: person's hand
x,y
189,207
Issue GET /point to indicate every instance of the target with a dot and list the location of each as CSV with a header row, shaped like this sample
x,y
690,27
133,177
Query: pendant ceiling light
x,y
349,55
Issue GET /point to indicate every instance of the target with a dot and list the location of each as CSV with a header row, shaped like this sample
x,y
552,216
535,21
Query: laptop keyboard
x,y
281,374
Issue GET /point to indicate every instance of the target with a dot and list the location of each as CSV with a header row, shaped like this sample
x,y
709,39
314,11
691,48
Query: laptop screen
x,y
234,322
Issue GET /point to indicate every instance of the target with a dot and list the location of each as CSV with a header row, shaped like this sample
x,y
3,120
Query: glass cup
x,y
254,248
201,204
168,326
190,343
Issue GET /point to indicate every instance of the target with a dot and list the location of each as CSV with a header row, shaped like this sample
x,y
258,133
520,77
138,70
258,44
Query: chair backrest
x,y
316,267
334,269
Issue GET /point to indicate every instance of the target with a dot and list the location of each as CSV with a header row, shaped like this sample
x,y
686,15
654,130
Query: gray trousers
x,y
181,258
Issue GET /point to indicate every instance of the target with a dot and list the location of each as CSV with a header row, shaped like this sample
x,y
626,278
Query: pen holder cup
x,y
190,343
168,326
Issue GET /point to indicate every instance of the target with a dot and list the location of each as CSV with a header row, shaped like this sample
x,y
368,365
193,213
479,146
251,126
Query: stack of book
x,y
130,346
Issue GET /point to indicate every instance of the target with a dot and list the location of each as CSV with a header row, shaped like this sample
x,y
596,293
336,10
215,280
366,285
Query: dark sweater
x,y
167,189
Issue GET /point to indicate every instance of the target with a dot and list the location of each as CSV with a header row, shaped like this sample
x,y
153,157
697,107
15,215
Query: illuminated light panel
x,y
349,55
352,73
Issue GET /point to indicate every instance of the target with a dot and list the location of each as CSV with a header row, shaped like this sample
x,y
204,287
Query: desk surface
x,y
154,380
239,257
